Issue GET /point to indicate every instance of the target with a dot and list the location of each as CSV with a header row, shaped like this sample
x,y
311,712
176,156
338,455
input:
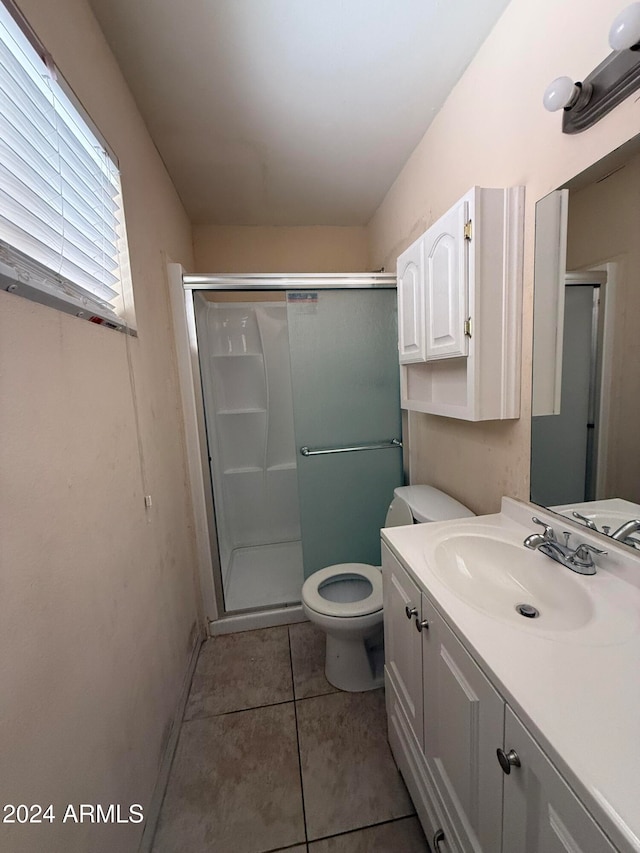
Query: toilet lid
x,y
346,589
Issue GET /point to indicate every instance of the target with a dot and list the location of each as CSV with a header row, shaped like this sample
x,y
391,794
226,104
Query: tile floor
x,y
271,757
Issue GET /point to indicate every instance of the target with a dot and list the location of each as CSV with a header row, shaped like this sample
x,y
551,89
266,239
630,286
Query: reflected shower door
x,y
344,369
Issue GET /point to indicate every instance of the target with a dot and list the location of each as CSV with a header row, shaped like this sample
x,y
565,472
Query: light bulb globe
x,y
560,93
625,29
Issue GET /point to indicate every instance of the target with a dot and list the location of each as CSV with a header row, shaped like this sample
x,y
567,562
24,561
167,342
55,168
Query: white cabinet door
x,y
540,812
412,765
402,640
411,319
446,285
463,725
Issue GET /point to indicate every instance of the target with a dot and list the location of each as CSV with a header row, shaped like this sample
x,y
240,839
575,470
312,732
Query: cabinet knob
x,y
437,838
508,759
411,611
424,624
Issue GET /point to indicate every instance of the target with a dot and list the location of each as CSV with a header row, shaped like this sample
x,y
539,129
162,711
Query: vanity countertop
x,y
578,692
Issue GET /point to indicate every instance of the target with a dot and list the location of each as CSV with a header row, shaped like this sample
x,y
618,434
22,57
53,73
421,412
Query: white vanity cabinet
x,y
459,298
447,721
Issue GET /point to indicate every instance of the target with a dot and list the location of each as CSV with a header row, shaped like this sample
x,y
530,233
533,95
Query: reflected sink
x,y
494,574
612,512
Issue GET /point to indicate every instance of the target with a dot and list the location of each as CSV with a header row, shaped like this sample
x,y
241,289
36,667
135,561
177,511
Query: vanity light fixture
x,y
607,85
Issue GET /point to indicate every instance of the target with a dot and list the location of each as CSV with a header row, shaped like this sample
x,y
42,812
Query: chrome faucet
x,y
579,560
623,533
535,540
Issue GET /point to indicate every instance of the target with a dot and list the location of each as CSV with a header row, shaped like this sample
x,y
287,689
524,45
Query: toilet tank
x,y
422,504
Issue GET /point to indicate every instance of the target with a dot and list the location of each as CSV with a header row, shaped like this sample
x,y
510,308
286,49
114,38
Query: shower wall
x,y
246,374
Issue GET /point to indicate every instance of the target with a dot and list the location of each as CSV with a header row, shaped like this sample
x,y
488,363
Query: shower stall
x,y
301,415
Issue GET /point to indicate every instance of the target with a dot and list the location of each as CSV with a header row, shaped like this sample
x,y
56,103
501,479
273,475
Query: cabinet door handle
x,y
437,838
508,759
424,624
411,611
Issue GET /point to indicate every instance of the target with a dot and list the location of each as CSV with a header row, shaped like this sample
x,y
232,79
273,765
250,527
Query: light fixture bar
x,y
617,77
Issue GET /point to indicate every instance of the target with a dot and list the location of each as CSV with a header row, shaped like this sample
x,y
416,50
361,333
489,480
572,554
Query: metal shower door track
x,y
291,281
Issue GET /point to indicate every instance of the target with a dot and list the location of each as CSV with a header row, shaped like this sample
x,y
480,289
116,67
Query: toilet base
x,y
354,664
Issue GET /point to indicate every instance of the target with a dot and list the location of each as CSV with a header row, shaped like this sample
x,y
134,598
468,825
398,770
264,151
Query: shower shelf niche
x,y
240,383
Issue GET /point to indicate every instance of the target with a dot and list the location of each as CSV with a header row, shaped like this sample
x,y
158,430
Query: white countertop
x,y
577,692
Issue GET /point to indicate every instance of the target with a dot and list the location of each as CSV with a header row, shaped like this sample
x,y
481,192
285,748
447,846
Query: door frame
x,y
600,280
181,290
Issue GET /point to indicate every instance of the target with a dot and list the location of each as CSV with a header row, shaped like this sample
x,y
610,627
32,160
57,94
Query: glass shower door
x,y
346,394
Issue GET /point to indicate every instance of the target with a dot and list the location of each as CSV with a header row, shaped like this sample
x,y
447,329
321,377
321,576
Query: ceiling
x,y
290,112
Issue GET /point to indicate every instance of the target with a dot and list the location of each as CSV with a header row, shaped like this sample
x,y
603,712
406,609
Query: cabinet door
x,y
463,725
412,765
411,318
402,641
540,811
446,285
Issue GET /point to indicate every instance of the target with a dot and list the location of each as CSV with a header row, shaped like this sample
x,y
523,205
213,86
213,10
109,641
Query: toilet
x,y
345,600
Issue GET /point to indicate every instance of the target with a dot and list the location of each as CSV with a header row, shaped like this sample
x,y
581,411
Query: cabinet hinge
x,y
467,327
468,234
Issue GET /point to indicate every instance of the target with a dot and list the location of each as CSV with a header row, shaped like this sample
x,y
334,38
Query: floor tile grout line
x,y
362,828
284,849
295,714
238,711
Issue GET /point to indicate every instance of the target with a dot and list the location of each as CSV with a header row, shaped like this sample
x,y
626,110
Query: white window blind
x,y
62,236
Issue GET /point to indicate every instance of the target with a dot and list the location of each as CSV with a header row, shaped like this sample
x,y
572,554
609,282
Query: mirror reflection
x,y
585,453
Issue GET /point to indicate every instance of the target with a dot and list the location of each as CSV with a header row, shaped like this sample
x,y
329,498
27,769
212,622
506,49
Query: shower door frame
x,y
219,620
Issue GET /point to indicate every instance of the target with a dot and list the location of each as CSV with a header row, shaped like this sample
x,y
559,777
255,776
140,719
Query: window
x,y
62,232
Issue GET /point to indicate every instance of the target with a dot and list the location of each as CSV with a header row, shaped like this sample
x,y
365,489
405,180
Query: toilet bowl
x,y
345,600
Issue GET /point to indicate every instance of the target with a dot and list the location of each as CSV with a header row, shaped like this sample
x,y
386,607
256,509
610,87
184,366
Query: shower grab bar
x,y
321,451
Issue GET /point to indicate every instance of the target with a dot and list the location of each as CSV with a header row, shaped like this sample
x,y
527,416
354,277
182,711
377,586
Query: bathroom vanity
x,y
513,733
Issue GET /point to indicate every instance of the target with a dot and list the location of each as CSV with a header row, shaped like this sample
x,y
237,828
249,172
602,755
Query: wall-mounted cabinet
x,y
459,307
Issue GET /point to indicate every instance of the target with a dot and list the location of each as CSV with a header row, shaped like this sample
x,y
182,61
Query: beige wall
x,y
604,225
257,248
97,601
493,131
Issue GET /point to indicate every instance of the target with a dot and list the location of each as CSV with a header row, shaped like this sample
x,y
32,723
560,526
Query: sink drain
x,y
528,610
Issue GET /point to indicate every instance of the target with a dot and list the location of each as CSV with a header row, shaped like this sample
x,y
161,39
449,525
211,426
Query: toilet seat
x,y
371,603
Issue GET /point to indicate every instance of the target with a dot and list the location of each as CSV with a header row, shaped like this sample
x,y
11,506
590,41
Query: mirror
x,y
585,450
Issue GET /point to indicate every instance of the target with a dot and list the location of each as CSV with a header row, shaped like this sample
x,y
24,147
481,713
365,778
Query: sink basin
x,y
496,575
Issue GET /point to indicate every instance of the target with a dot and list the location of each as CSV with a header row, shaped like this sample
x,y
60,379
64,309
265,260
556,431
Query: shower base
x,y
263,576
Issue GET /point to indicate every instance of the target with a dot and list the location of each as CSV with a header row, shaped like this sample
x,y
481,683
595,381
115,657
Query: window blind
x,y
62,230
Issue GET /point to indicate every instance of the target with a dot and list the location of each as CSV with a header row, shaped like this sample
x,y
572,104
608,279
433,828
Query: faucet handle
x,y
583,550
589,523
582,558
548,530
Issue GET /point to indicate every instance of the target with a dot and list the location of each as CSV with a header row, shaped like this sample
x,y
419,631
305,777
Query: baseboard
x,y
257,619
153,812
